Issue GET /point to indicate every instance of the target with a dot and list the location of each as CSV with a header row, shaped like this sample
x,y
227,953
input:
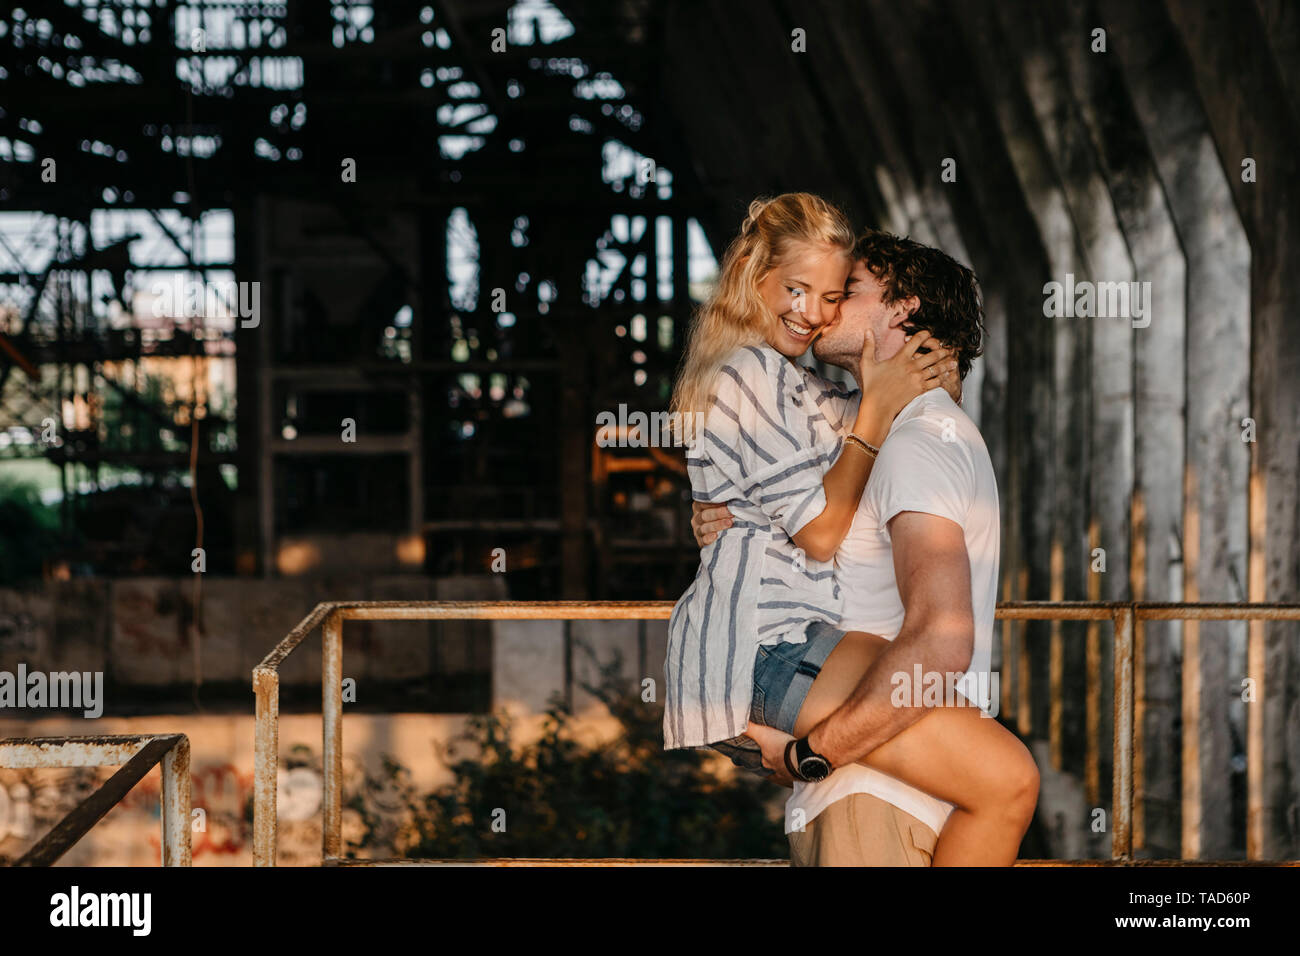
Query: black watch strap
x,y
803,751
794,771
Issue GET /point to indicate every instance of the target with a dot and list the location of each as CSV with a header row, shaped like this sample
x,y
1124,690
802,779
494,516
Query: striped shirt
x,y
764,450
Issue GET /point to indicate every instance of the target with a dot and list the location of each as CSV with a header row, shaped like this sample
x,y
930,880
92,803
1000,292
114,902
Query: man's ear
x,y
911,305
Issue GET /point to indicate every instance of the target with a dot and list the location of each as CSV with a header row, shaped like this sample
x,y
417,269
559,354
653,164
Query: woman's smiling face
x,y
804,289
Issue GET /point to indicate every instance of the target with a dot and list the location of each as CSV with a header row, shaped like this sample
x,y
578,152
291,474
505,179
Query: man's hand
x,y
772,742
707,520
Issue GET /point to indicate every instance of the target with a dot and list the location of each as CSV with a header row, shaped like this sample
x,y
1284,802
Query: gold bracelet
x,y
862,443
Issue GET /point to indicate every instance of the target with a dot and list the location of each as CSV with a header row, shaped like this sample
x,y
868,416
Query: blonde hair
x,y
735,314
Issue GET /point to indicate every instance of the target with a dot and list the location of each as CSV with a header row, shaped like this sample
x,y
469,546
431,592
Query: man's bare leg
x,y
952,753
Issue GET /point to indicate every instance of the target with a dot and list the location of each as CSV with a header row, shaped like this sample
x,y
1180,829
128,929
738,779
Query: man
x,y
929,515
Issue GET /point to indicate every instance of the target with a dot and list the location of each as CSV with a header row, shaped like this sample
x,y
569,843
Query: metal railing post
x,y
1256,800
1092,714
332,731
176,805
1122,786
266,762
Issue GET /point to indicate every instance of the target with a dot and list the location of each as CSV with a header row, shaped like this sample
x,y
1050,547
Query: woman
x,y
792,488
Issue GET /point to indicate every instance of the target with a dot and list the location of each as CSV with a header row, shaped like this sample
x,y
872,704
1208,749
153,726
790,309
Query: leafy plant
x,y
28,531
625,798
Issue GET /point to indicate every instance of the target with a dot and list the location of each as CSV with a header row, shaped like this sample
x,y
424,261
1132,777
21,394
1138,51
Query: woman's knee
x,y
1008,778
1020,785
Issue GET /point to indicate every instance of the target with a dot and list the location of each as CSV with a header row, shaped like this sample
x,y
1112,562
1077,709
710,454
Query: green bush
x,y
28,531
627,798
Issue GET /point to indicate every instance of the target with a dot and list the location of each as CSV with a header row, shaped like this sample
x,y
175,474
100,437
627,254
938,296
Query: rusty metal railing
x,y
137,754
329,616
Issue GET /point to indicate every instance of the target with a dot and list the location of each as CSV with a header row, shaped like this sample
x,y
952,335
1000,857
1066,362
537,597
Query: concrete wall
x,y
131,629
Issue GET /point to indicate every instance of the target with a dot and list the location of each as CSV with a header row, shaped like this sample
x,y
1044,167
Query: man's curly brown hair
x,y
952,309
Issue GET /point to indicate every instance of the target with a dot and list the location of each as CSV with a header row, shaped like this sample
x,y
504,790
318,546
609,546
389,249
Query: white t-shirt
x,y
933,461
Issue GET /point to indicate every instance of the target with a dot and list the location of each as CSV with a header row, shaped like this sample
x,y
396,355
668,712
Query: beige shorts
x,y
862,830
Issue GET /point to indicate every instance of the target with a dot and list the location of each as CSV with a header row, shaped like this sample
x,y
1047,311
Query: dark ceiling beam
x,y
824,69
1281,20
907,107
786,125
897,205
712,130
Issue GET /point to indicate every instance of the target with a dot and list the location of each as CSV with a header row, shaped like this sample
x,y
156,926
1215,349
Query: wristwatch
x,y
808,766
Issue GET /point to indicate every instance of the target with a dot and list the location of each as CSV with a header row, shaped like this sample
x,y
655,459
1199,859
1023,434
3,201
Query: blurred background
x,y
309,301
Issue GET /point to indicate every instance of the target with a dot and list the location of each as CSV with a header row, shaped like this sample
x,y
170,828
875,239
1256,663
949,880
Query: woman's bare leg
x,y
952,753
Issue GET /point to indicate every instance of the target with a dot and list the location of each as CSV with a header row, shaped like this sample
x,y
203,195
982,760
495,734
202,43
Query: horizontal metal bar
x,y
1217,612
1056,611
662,610
553,861
1157,863
507,610
1144,611
623,861
464,611
77,824
85,751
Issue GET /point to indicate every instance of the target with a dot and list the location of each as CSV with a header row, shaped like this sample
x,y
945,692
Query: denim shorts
x,y
783,675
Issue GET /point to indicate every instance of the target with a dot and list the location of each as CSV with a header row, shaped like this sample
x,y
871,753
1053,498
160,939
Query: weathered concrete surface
x,y
1250,111
1159,425
139,631
1213,525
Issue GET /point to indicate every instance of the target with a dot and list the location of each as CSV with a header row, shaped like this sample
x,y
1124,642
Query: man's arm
x,y
938,633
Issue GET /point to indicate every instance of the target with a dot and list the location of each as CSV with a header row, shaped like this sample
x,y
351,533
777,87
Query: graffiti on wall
x,y
33,801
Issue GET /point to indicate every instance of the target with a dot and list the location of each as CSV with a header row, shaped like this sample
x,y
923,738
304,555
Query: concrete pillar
x,y
1108,455
1056,489
989,201
1159,393
1249,113
1156,70
895,103
918,142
